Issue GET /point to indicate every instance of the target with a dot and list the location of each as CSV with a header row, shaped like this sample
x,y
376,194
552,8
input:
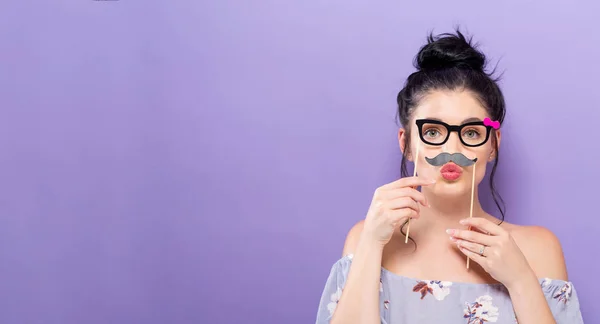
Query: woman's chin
x,y
450,189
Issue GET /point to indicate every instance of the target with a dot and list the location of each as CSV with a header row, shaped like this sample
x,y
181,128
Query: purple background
x,y
201,162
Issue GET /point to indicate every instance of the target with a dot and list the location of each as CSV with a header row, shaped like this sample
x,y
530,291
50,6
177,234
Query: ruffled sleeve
x,y
333,289
563,301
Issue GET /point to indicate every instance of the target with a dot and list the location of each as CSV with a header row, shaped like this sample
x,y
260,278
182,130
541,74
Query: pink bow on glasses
x,y
488,122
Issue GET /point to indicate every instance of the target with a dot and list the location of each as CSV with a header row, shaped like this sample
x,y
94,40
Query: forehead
x,y
452,107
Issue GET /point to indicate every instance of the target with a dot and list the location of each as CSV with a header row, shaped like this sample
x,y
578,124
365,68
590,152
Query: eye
x,y
471,133
432,132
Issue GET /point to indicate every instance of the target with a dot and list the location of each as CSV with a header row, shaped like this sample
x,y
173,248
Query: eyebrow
x,y
468,120
472,119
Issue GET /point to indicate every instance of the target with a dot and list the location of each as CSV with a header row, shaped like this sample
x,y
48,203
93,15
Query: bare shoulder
x,y
542,249
352,238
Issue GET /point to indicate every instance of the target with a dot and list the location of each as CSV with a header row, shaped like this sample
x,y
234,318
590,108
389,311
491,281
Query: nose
x,y
453,144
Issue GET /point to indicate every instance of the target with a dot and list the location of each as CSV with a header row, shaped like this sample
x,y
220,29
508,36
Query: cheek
x,y
425,169
480,170
483,157
427,172
415,145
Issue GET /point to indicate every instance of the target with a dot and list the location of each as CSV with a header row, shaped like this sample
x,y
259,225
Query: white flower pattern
x,y
546,282
481,311
441,289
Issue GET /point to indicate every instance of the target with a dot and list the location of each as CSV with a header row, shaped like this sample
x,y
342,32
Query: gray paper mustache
x,y
457,158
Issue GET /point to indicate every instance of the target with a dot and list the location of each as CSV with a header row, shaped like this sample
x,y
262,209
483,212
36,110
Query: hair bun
x,y
449,51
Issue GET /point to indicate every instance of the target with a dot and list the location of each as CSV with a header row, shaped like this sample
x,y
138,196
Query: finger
x,y
403,202
408,182
400,215
407,192
484,225
473,247
473,256
471,236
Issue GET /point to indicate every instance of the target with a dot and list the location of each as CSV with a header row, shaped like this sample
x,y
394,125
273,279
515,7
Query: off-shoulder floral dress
x,y
405,300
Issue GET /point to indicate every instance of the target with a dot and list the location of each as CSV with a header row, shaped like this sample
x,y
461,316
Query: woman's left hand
x,y
497,252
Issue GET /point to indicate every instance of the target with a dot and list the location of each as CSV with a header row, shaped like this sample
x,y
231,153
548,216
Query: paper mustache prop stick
x,y
472,195
414,174
440,160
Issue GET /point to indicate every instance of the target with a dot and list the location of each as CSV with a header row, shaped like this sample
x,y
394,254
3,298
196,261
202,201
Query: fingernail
x,y
463,221
450,231
452,238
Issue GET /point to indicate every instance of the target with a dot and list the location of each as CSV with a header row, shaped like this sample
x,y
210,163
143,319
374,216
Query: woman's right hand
x,y
392,205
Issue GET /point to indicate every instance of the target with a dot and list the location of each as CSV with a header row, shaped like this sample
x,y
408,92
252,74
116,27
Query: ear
x,y
402,141
498,138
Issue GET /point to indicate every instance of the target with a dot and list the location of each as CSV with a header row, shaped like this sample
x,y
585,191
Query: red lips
x,y
451,171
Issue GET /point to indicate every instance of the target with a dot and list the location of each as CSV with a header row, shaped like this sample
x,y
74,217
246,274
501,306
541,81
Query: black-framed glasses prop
x,y
435,132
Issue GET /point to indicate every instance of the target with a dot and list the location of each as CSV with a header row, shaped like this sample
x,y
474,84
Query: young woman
x,y
451,111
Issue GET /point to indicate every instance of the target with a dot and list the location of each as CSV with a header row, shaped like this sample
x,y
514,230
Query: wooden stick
x,y
472,197
414,174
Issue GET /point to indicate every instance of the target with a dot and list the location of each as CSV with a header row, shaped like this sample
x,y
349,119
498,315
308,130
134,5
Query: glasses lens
x,y
474,134
434,133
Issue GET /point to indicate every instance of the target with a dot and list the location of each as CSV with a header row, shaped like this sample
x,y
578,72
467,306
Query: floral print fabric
x,y
482,310
406,300
439,289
